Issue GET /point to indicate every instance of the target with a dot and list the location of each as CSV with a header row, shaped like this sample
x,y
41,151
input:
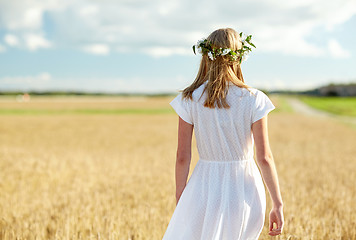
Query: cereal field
x,y
103,168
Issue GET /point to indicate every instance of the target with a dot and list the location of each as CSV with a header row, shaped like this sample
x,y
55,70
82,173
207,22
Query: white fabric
x,y
224,198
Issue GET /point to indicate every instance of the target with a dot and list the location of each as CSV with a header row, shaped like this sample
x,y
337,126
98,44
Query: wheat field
x,y
110,174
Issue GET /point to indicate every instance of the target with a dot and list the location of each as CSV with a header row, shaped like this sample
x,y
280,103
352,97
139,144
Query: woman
x,y
225,196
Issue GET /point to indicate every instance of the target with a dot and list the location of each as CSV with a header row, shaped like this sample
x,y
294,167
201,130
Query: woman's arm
x,y
185,131
266,164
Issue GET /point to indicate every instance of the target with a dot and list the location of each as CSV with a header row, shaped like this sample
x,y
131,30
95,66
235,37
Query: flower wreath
x,y
205,47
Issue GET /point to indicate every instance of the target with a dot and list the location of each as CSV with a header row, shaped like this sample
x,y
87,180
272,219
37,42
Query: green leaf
x,y
194,49
253,45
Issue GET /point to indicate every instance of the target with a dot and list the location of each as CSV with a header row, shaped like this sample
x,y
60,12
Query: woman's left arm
x,y
184,153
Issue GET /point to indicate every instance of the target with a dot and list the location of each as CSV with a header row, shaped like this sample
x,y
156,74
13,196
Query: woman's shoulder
x,y
244,92
197,93
255,91
258,92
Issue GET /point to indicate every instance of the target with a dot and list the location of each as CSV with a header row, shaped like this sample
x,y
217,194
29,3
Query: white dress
x,y
224,198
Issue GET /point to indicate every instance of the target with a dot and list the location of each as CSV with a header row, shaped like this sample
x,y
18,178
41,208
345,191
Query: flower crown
x,y
205,47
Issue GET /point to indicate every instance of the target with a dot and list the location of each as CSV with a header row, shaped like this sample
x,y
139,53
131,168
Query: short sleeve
x,y
182,108
263,105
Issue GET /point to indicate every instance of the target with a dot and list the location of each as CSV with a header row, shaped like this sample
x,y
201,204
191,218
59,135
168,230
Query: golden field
x,y
81,168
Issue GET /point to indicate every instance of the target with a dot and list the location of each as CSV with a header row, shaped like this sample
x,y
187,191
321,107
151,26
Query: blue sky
x,y
145,46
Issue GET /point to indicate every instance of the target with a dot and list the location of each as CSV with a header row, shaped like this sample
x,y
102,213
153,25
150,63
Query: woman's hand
x,y
276,216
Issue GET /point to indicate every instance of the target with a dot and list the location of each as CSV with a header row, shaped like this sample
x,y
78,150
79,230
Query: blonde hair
x,y
219,72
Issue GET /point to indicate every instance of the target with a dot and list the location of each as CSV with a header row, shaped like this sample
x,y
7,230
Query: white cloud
x,y
88,11
32,17
20,15
35,41
163,28
45,76
11,40
336,50
288,41
40,78
25,20
98,49
166,51
2,48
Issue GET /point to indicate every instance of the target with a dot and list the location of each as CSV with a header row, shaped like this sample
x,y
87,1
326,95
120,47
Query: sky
x,y
146,46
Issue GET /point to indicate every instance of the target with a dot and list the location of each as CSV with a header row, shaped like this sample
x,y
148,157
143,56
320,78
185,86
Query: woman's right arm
x,y
266,164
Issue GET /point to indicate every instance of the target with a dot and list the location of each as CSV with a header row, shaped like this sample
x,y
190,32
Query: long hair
x,y
220,72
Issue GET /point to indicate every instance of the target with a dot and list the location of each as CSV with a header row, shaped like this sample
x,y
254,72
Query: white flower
x,y
200,42
225,51
244,57
199,49
210,55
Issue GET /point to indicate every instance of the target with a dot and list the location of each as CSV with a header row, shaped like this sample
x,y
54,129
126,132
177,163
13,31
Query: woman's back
x,y
225,134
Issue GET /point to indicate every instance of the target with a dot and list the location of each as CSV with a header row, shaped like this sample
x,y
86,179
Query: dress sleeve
x,y
182,108
263,105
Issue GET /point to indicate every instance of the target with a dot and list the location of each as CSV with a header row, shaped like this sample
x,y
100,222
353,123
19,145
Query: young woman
x,y
225,196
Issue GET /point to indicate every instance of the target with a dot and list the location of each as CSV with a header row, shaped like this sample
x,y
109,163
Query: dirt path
x,y
300,107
